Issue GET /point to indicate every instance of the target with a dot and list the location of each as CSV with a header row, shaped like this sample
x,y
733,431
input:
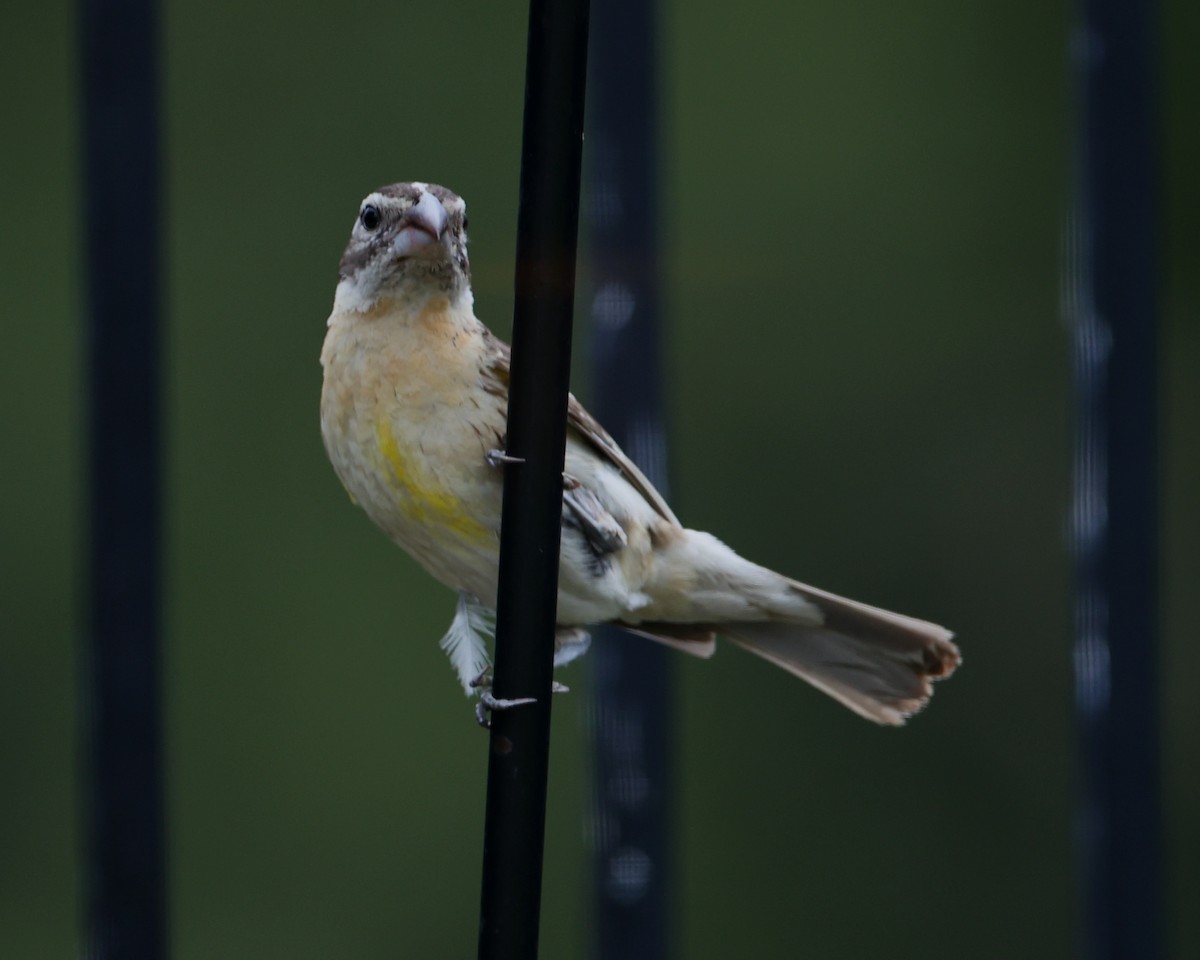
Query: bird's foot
x,y
498,458
487,702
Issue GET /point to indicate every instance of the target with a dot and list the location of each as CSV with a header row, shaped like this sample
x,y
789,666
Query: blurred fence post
x,y
547,228
125,879
1111,283
630,708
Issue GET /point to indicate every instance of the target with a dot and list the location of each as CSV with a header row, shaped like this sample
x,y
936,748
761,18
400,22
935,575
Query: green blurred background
x,y
869,389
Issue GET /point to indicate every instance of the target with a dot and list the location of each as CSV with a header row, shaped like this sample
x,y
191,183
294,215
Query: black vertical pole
x,y
125,876
1114,314
630,708
547,224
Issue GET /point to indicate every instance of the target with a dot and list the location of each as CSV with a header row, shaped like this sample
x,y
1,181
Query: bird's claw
x,y
498,458
483,680
487,703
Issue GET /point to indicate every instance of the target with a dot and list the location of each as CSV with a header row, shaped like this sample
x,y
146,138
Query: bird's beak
x,y
422,224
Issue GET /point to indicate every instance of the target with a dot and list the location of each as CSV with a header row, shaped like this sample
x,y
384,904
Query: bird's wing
x,y
589,429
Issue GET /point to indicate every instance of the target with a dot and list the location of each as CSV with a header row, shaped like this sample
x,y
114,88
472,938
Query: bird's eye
x,y
466,223
370,217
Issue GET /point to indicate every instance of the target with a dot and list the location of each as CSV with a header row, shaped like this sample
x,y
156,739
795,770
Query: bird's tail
x,y
879,664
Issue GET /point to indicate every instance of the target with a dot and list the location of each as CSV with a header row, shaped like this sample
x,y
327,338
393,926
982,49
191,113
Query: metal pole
x,y
1114,314
630,707
125,875
547,224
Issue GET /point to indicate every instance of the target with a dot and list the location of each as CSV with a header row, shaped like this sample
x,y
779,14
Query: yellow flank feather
x,y
421,502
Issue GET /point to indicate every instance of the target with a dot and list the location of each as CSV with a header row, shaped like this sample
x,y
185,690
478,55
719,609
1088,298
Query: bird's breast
x,y
407,427
430,486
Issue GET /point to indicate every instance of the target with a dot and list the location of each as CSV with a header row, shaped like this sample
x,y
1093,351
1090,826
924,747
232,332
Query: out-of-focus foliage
x,y
869,388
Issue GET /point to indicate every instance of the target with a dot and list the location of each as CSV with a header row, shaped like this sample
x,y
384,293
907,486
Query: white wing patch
x,y
465,642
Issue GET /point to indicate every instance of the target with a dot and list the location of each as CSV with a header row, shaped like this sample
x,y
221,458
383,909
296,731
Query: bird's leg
x,y
570,643
483,682
487,702
498,458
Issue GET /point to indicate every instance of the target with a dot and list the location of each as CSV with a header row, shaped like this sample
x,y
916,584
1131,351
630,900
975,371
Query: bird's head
x,y
409,241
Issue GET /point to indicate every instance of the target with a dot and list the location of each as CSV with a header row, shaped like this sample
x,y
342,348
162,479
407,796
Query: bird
x,y
413,417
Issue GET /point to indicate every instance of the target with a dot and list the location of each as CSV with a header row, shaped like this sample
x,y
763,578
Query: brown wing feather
x,y
588,428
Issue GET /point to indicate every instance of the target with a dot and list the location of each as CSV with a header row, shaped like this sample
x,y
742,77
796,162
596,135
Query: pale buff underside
x,y
407,425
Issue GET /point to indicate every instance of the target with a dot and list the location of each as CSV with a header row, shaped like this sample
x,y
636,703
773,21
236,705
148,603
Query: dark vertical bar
x,y
1114,313
547,226
126,883
630,708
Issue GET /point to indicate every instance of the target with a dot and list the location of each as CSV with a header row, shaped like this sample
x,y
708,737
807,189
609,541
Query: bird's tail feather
x,y
881,669
879,664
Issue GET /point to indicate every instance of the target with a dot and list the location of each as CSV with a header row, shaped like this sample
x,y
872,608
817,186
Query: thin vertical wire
x,y
1112,307
125,874
547,227
630,707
